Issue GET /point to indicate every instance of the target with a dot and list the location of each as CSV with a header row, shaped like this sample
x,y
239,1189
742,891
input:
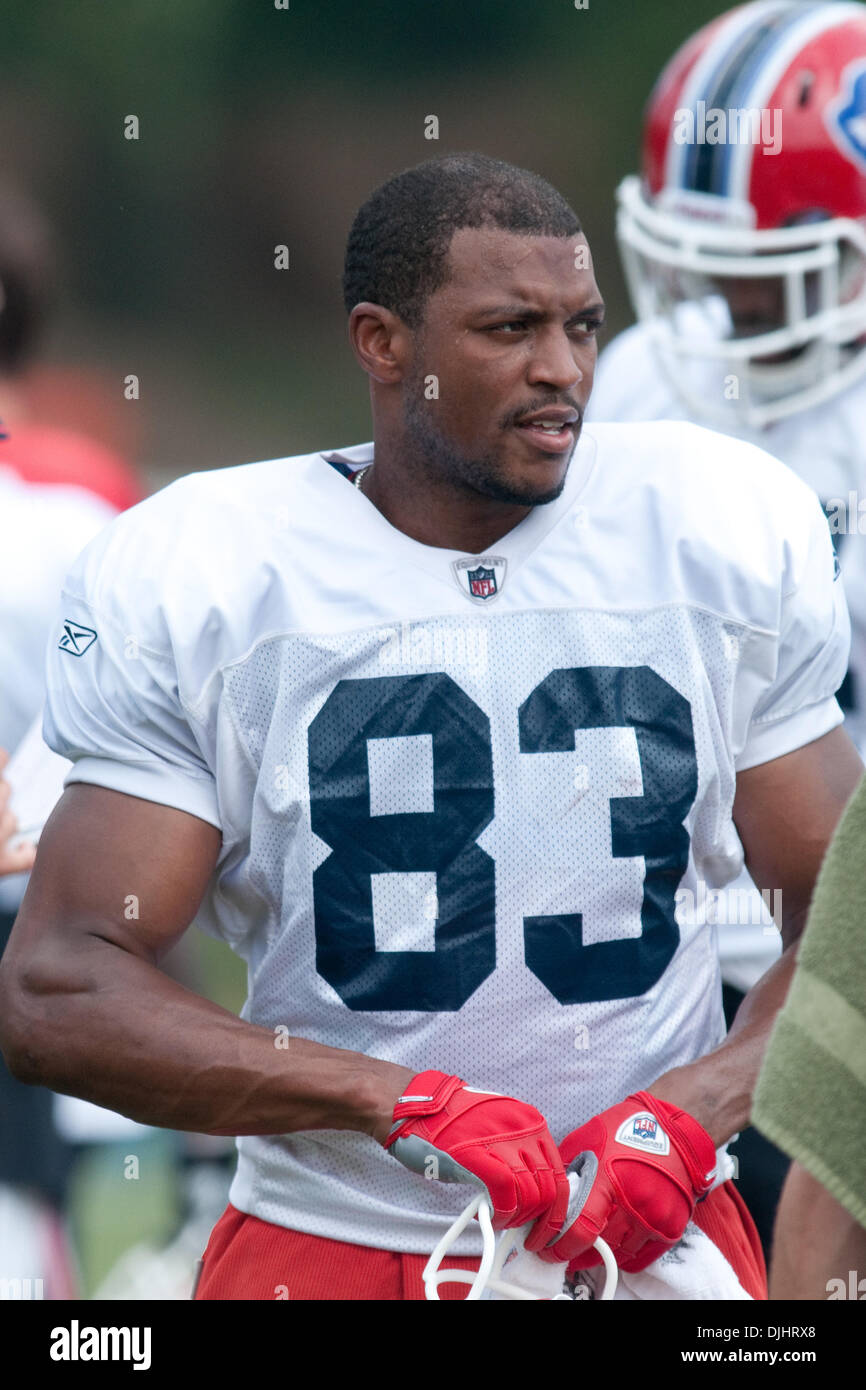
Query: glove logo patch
x,y
643,1131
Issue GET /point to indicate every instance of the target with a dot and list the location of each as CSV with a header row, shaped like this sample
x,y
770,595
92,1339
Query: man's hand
x,y
646,1164
492,1141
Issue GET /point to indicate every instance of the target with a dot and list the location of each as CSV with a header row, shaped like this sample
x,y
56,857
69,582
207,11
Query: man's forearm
x,y
810,1220
717,1089
122,1034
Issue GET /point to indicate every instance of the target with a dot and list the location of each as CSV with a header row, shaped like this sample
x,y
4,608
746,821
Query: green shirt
x,y
811,1094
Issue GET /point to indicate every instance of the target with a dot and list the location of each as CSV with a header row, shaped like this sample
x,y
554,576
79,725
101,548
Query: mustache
x,y
535,406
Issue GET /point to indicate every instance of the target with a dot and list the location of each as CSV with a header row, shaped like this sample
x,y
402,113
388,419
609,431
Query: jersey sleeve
x,y
807,662
113,706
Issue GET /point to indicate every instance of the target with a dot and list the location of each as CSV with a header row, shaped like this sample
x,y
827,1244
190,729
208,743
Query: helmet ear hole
x,y
805,84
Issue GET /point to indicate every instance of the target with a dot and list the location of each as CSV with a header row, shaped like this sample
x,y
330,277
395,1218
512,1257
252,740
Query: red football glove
x,y
644,1164
446,1130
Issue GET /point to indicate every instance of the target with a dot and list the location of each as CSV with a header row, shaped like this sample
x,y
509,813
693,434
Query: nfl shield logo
x,y
480,578
482,582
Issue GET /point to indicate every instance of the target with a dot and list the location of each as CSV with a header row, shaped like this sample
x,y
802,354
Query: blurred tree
x,y
260,126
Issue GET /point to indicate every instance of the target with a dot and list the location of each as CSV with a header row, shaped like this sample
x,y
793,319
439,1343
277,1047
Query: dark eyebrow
x,y
507,312
592,311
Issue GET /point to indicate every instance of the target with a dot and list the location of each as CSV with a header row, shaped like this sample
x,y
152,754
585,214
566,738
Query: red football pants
x,y
251,1259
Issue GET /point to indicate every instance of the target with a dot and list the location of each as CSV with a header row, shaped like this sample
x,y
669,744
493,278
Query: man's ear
x,y
380,341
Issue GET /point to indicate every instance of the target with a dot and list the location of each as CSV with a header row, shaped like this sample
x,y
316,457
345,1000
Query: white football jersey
x,y
469,804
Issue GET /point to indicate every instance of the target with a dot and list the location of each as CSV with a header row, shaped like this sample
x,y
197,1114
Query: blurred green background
x,y
261,126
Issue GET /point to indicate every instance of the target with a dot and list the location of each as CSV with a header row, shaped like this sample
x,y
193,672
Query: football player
x,y
433,730
57,488
744,245
44,528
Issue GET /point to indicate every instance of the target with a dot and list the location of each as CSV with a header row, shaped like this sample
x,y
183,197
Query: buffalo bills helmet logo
x,y
846,116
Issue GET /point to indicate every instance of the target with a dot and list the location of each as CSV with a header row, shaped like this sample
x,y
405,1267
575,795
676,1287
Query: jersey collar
x,y
514,547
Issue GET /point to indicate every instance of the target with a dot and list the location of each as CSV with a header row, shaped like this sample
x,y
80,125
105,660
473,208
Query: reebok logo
x,y
76,639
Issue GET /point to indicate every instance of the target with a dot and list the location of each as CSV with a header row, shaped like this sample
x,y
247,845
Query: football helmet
x,y
536,1280
744,240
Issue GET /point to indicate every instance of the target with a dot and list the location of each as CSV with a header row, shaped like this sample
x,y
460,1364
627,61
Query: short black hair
x,y
398,245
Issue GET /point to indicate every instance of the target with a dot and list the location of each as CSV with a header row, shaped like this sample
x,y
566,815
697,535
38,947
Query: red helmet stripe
x,y
708,165
737,33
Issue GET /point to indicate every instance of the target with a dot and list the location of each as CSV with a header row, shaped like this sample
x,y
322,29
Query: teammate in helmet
x,y
746,259
744,246
746,255
746,262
